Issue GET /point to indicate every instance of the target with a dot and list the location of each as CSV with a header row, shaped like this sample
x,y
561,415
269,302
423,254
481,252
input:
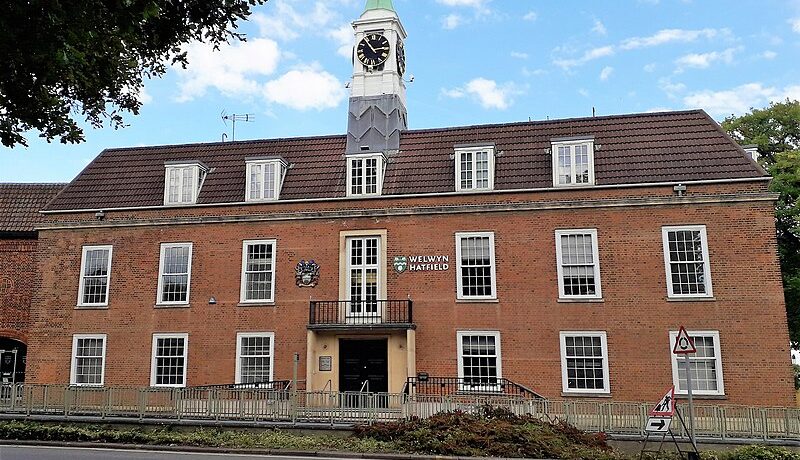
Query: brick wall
x,y
748,309
17,277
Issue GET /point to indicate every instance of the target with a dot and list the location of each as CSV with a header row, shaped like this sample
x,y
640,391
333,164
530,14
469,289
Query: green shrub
x,y
756,452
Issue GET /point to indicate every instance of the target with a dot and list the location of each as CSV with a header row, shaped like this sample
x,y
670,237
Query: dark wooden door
x,y
362,360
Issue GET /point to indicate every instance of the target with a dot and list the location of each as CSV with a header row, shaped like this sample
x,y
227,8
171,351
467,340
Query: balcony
x,y
361,314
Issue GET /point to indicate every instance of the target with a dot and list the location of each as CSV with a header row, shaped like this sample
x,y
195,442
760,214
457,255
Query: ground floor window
x,y
88,359
254,357
479,363
705,365
584,362
168,367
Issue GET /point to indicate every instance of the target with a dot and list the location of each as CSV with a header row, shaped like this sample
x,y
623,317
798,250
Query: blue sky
x,y
474,62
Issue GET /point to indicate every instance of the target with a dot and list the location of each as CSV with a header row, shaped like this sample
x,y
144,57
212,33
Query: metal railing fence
x,y
347,408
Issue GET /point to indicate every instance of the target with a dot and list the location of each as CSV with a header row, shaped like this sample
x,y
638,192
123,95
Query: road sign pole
x,y
691,403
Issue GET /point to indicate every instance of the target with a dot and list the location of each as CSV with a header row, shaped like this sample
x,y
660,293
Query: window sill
x,y
256,304
695,396
569,300
477,301
92,307
584,395
691,299
168,306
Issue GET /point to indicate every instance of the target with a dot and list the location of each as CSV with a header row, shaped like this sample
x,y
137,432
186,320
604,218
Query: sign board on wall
x,y
431,263
325,363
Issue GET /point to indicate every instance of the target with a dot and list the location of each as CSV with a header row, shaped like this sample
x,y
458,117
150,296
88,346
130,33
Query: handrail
x,y
479,385
328,386
365,384
360,312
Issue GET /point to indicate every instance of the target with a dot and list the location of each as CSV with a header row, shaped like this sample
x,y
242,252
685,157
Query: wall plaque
x,y
325,363
421,264
306,274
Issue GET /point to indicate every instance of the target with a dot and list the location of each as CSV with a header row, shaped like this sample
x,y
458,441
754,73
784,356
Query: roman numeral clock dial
x,y
373,50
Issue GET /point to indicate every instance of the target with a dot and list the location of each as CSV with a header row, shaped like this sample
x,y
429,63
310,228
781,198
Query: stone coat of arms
x,y
306,274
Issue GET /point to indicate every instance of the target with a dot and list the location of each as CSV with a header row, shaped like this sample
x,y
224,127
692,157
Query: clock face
x,y
373,50
401,58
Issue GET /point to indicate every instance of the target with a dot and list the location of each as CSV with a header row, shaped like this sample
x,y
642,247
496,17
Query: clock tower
x,y
377,112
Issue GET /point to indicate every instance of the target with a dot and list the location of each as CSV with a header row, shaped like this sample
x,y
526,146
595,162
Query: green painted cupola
x,y
379,5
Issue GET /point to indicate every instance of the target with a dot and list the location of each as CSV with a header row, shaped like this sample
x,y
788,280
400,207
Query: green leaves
x,y
76,60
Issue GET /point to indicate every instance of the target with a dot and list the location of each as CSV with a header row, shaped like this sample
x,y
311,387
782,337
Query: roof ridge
x,y
227,143
34,184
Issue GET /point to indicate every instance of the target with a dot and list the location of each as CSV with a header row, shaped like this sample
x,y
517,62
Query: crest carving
x,y
6,285
306,274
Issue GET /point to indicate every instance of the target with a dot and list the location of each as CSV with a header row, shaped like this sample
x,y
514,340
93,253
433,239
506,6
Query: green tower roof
x,y
379,5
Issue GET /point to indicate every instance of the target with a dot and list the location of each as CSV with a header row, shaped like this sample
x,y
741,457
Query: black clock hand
x,y
370,46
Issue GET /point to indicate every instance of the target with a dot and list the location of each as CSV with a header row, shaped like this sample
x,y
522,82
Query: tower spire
x,y
379,5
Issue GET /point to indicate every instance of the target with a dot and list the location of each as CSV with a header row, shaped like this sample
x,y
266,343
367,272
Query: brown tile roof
x,y
20,205
639,148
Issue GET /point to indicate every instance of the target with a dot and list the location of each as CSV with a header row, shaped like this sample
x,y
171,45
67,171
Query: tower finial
x,y
379,5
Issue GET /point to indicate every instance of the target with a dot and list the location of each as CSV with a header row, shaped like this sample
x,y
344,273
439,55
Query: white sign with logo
x,y
421,263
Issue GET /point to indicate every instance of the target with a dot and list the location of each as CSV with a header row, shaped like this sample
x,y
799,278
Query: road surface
x,y
68,453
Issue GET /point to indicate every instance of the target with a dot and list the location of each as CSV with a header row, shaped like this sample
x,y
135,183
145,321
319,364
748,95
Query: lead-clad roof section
x,y
632,149
20,205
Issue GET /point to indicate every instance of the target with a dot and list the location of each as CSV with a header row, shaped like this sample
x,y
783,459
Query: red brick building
x,y
19,216
562,255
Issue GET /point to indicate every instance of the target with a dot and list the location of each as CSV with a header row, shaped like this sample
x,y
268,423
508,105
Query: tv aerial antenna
x,y
233,118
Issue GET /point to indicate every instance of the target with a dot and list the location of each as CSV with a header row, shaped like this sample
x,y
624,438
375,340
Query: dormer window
x,y
573,162
182,183
264,179
365,175
474,168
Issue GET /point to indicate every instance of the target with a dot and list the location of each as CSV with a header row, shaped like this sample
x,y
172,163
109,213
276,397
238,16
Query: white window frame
x,y
74,364
460,350
572,143
560,266
199,174
673,335
459,281
277,186
706,261
239,337
474,150
380,170
185,338
243,287
604,346
81,282
160,294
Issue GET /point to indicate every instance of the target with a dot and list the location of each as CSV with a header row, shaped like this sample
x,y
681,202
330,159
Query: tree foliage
x,y
776,131
70,60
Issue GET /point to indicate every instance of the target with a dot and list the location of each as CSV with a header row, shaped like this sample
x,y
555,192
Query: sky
x,y
473,62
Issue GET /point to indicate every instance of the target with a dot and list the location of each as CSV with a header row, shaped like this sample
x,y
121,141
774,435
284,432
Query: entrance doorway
x,y
363,361
12,361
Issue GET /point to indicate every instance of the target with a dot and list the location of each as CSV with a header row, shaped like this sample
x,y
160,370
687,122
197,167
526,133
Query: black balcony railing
x,y
444,386
360,312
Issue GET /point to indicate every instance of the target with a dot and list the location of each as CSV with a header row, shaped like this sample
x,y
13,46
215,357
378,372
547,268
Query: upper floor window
x,y
264,179
95,276
578,265
175,270
573,162
686,261
183,182
364,175
476,270
474,168
258,271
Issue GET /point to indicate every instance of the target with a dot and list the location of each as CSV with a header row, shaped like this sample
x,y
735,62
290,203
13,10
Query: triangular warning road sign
x,y
684,344
665,407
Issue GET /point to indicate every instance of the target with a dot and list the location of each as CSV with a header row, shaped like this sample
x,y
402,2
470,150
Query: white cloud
x,y
530,16
599,28
704,60
606,73
343,36
144,96
671,36
590,55
649,68
795,23
583,92
286,23
518,55
233,70
487,93
769,55
533,73
451,21
479,4
305,90
672,89
740,99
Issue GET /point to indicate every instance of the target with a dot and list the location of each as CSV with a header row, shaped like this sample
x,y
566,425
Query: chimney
x,y
751,151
